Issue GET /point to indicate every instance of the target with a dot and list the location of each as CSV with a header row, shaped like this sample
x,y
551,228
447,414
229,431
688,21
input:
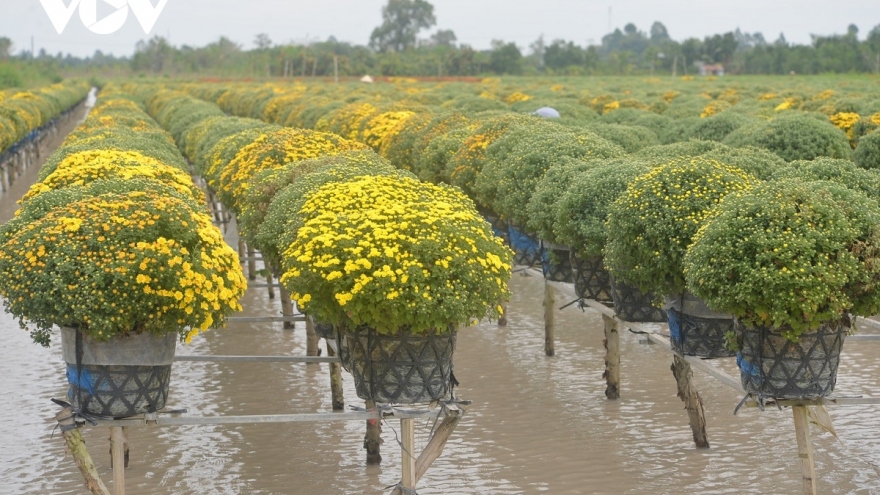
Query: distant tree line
x,y
395,49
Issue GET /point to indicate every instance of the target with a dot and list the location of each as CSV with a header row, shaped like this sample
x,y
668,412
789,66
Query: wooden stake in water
x,y
286,306
408,454
805,450
252,263
692,400
502,320
311,338
117,449
269,276
612,358
373,437
549,312
337,399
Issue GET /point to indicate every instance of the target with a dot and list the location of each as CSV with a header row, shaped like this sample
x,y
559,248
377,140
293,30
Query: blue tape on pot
x,y
674,325
545,261
747,367
85,378
522,243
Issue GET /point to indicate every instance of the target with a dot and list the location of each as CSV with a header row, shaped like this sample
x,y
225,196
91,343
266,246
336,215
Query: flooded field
x,y
537,424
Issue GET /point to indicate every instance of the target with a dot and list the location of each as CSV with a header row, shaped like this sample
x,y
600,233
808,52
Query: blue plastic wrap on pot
x,y
527,249
746,366
85,381
674,326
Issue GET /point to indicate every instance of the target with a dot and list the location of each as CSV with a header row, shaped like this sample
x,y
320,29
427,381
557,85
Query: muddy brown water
x,y
537,424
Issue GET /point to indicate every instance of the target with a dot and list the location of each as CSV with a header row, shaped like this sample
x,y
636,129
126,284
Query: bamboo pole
x,y
612,358
692,400
77,447
373,438
117,450
549,324
805,450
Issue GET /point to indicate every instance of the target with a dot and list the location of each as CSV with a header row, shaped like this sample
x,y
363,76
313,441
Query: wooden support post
x,y
252,263
612,358
125,445
286,306
549,313
435,446
269,277
311,338
337,399
373,438
805,450
692,400
408,454
241,250
117,449
77,447
502,320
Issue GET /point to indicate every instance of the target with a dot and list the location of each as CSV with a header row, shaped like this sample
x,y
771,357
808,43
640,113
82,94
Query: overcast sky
x,y
475,22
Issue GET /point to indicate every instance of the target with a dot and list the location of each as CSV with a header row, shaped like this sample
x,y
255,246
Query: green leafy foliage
x,y
790,255
651,225
794,136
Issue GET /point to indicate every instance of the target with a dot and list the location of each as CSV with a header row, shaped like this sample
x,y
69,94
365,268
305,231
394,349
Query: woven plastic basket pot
x,y
556,263
526,248
125,376
696,330
631,304
400,369
773,366
591,279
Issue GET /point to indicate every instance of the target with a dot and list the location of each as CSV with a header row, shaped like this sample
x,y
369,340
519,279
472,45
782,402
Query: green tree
x,y
5,48
262,41
872,43
505,58
561,54
401,22
443,37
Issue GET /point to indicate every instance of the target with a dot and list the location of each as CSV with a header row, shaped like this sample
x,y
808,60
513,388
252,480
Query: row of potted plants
x,y
115,246
642,211
394,264
23,112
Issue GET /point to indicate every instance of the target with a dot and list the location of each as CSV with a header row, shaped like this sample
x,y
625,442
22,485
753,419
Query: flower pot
x,y
591,279
401,369
631,304
773,366
125,376
556,263
696,330
526,250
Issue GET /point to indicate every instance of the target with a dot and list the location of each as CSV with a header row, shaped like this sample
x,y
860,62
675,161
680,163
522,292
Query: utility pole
x,y
609,19
33,54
